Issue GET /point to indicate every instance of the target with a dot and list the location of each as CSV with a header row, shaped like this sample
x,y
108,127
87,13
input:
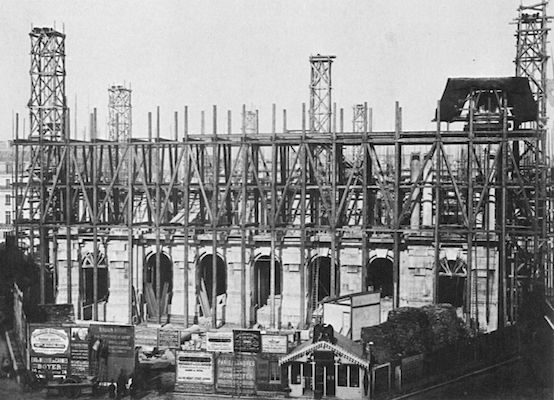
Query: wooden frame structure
x,y
467,188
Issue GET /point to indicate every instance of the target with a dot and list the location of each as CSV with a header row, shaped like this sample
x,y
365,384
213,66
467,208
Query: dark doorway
x,y
320,270
324,373
380,276
166,277
262,280
207,279
87,283
452,282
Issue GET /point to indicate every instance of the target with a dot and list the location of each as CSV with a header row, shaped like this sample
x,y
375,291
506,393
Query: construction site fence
x,y
464,356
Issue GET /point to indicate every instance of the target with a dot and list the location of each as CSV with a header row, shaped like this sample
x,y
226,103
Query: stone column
x,y
427,196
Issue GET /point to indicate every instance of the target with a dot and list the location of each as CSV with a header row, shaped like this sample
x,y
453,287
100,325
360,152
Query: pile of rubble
x,y
411,330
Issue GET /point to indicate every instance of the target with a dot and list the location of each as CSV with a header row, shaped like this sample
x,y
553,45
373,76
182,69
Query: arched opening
x,y
207,279
452,282
151,283
87,284
380,276
262,280
320,279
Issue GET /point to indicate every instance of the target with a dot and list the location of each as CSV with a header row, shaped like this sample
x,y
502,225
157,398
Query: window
x,y
343,375
8,183
88,277
354,376
8,217
8,200
87,282
274,372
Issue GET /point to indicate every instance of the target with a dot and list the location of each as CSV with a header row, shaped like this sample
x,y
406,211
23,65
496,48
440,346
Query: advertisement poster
x,y
49,351
113,350
79,352
236,373
195,368
169,339
247,341
275,344
219,342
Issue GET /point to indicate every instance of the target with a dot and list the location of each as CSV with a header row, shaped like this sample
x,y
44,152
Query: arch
x,y
452,281
166,274
205,275
380,275
262,280
320,267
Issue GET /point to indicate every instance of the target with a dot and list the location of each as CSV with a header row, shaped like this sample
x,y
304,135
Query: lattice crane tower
x,y
531,56
320,93
119,113
47,104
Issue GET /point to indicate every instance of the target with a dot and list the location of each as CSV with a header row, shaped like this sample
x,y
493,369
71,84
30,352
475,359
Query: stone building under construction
x,y
244,227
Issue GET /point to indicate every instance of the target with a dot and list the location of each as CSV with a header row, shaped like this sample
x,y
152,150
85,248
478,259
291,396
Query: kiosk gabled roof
x,y
343,346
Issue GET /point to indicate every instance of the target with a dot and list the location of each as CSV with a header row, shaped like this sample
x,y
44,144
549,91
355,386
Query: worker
x,y
121,382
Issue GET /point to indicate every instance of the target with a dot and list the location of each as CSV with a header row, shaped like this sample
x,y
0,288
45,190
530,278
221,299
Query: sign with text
x,y
49,351
146,337
195,368
247,341
276,344
169,339
219,342
117,348
236,373
79,352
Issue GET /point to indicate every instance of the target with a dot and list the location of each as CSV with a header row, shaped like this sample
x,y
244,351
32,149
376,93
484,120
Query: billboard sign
x,y
247,341
49,351
219,342
276,344
79,351
195,368
169,339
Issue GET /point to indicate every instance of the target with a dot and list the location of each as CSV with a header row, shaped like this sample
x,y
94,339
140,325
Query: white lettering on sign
x,y
49,341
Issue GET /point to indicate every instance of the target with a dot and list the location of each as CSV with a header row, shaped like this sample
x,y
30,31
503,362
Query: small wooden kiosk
x,y
331,365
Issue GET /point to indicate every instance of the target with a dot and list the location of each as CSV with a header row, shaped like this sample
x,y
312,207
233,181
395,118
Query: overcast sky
x,y
200,53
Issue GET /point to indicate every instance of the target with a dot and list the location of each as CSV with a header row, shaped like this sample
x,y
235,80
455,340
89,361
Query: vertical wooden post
x,y
186,195
303,201
244,147
68,210
333,216
438,203
130,209
157,215
471,275
397,204
94,149
365,201
272,216
215,192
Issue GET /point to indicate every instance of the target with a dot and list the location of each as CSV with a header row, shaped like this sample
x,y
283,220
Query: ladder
x,y
313,299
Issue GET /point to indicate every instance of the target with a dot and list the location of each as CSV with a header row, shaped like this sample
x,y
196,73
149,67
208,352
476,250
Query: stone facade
x,y
417,274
